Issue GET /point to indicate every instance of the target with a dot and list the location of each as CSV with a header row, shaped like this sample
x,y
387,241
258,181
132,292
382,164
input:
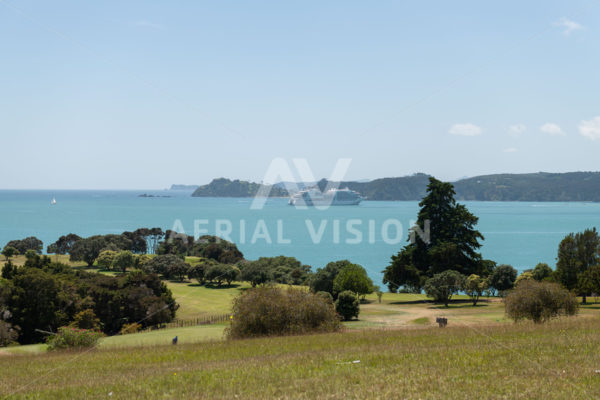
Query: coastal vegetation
x,y
541,186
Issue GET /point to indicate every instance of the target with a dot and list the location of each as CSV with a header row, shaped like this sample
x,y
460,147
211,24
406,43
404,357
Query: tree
x,y
86,319
206,246
523,277
36,303
576,253
256,273
287,270
9,252
589,281
87,250
29,243
347,305
218,273
443,285
539,301
161,263
123,260
197,272
353,277
322,280
9,270
503,278
541,272
64,244
105,259
474,287
452,244
141,261
178,270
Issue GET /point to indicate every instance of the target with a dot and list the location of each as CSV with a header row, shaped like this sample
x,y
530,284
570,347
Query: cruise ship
x,y
332,197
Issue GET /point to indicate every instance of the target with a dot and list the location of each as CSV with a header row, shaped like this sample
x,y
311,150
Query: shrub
x,y
326,296
539,301
443,285
268,310
347,305
73,338
130,328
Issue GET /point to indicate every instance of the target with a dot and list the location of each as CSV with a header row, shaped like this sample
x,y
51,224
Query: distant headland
x,y
540,186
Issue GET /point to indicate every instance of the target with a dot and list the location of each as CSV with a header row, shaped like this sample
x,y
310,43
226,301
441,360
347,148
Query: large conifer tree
x,y
453,242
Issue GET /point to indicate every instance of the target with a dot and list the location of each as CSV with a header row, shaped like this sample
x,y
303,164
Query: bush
x,y
347,305
326,296
539,301
443,285
268,310
73,338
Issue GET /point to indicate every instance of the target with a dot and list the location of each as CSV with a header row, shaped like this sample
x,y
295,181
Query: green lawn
x,y
558,360
195,300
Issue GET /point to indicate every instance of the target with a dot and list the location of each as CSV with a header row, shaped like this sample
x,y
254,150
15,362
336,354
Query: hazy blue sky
x,y
132,94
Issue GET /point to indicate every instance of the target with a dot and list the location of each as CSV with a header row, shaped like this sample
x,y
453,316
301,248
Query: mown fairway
x,y
555,361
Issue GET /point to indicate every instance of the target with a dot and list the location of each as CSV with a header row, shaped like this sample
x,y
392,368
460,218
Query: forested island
x,y
541,186
223,187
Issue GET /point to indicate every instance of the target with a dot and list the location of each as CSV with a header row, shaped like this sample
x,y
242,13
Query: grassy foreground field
x,y
554,361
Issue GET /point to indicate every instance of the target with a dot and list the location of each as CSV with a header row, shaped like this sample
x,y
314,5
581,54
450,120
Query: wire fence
x,y
202,320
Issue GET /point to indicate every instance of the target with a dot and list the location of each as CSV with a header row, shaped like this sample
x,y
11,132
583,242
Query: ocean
x,y
516,233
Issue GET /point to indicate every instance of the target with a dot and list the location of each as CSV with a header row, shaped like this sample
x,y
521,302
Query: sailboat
x,y
53,201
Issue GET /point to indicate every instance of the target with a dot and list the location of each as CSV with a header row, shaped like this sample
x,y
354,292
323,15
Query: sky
x,y
144,94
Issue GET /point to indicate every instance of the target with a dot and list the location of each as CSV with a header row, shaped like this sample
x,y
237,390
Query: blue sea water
x,y
517,233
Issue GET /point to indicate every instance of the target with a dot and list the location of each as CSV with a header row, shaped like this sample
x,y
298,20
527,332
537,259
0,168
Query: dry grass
x,y
554,361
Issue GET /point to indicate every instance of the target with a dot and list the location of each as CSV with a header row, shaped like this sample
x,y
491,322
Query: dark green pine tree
x,y
453,242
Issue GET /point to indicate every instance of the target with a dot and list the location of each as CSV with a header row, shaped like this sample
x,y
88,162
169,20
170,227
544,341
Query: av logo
x,y
279,171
